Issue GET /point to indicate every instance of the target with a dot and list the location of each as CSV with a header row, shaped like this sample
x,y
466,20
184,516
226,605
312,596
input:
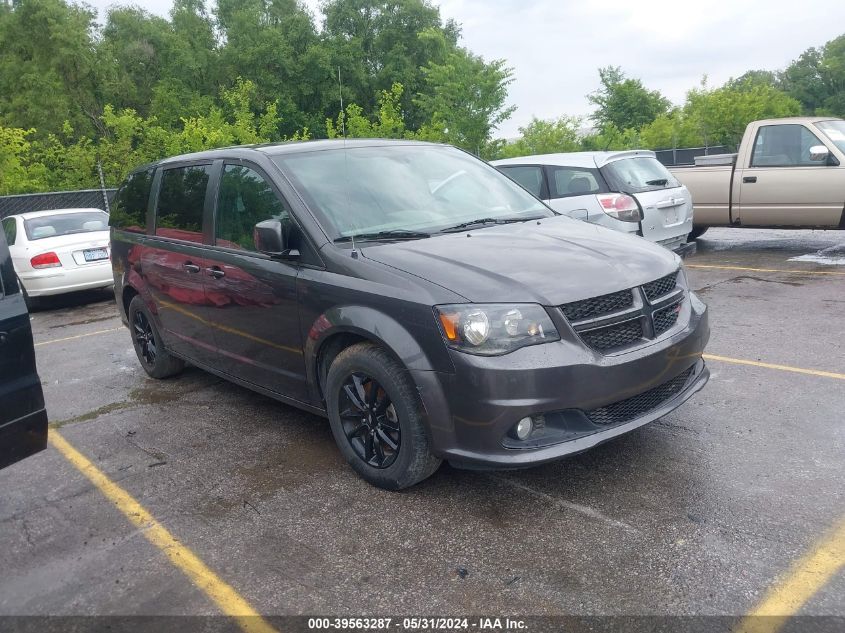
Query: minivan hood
x,y
553,261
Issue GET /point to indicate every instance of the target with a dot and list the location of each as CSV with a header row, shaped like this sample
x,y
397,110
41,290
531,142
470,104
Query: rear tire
x,y
377,418
697,231
156,361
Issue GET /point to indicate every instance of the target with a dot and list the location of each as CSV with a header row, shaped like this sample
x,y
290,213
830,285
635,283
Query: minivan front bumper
x,y
472,412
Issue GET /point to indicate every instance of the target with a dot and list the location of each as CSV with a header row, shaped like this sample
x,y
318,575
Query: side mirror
x,y
269,237
819,153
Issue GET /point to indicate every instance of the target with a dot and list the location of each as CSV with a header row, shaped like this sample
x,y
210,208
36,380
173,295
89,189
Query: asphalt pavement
x,y
699,513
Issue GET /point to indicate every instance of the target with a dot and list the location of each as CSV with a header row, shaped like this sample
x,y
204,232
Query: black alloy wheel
x,y
369,420
144,337
154,357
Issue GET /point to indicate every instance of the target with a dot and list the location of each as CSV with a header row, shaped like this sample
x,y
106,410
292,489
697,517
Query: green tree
x,y
18,174
751,78
465,98
817,79
610,137
191,78
48,67
274,43
717,117
378,43
625,103
137,51
544,137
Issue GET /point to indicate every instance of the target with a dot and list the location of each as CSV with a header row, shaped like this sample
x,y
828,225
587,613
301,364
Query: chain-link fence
x,y
86,198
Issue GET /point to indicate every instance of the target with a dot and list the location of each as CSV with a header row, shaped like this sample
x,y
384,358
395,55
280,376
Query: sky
x,y
556,46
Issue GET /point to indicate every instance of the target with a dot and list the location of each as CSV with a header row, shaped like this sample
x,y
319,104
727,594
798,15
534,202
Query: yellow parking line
x,y
807,576
768,270
754,363
222,594
73,338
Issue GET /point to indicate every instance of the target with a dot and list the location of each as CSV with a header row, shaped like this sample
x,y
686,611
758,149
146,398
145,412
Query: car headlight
x,y
494,329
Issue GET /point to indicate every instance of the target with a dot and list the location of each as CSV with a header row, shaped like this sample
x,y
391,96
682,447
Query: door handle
x,y
190,268
749,179
215,272
3,338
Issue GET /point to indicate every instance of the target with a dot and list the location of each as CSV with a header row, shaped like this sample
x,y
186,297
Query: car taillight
x,y
620,206
45,260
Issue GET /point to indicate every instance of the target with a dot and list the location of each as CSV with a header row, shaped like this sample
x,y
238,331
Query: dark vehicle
x,y
425,303
23,419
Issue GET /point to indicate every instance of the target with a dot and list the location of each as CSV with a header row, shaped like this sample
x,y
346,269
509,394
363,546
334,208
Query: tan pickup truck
x,y
788,173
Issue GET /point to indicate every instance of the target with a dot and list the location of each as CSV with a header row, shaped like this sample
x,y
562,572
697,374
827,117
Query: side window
x,y
529,176
129,207
571,181
180,202
10,230
244,200
784,146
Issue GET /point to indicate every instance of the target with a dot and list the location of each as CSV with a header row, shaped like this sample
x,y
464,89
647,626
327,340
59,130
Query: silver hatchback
x,y
627,191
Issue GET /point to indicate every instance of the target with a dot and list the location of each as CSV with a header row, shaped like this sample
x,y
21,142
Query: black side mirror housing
x,y
269,237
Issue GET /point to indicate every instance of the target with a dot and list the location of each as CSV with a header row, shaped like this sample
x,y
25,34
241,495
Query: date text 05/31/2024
x,y
418,624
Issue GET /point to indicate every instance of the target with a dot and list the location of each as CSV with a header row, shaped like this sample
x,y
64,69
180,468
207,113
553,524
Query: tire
x,y
697,231
392,414
31,303
156,361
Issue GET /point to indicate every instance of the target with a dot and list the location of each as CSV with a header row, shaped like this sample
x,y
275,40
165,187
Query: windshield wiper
x,y
487,221
659,182
393,234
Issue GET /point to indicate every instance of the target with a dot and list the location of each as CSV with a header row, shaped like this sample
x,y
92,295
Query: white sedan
x,y
59,251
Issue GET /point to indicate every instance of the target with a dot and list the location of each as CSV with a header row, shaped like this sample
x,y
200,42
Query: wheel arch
x,y
340,328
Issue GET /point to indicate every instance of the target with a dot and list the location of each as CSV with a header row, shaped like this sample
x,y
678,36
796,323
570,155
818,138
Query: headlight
x,y
493,329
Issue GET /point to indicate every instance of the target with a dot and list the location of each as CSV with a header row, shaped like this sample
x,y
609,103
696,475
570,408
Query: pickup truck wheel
x,y
697,231
377,419
156,361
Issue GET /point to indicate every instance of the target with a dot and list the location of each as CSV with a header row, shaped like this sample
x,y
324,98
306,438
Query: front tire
x,y
377,418
156,361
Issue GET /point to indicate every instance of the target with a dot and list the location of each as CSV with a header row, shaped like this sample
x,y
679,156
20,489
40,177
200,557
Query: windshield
x,y
411,188
835,131
634,175
66,224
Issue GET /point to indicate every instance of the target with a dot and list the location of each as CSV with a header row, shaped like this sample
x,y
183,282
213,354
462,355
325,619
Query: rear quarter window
x,y
638,174
181,200
129,208
574,181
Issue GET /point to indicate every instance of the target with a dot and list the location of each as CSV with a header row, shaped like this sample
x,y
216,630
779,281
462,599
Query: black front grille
x,y
597,306
613,336
634,407
666,317
660,287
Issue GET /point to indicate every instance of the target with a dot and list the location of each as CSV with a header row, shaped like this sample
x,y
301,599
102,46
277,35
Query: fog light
x,y
524,428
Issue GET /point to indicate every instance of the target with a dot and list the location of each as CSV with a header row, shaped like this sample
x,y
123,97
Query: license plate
x,y
671,216
95,254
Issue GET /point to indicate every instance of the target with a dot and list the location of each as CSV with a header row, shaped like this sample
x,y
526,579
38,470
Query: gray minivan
x,y
627,191
426,304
